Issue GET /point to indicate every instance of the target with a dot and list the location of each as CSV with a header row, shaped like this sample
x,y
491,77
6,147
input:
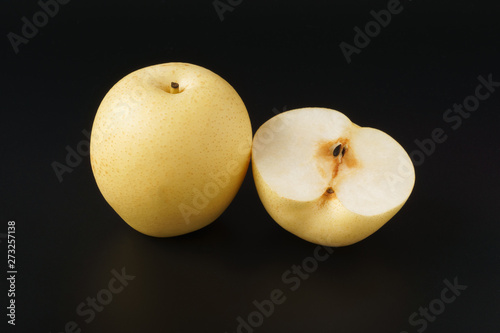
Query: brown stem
x,y
174,88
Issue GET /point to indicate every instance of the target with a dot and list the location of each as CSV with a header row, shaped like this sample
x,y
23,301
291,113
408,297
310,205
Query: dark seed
x,y
329,190
336,151
343,152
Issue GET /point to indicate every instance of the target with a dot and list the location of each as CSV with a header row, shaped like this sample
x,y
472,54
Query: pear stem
x,y
174,88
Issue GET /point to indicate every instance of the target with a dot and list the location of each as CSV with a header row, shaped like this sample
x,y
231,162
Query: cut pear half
x,y
342,180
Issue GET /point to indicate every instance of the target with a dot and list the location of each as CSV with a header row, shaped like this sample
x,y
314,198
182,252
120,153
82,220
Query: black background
x,y
276,54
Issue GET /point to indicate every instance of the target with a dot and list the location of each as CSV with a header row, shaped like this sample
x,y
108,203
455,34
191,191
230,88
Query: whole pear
x,y
170,147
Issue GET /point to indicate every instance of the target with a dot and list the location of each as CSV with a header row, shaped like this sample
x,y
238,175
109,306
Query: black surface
x,y
283,55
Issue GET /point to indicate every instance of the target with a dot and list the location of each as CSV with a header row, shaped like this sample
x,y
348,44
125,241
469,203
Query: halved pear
x,y
327,180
